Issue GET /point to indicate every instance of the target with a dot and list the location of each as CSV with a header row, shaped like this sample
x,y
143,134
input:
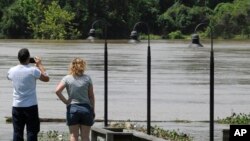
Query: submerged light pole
x,y
134,38
91,37
196,42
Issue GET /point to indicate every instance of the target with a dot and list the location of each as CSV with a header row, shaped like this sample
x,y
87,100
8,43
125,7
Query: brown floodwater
x,y
180,81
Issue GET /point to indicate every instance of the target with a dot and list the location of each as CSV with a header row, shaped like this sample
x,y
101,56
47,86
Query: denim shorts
x,y
80,114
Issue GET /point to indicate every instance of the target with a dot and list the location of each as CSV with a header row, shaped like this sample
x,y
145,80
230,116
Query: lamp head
x,y
134,37
91,34
195,41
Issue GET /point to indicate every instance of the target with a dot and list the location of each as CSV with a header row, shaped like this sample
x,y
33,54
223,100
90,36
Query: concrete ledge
x,y
118,134
225,134
140,135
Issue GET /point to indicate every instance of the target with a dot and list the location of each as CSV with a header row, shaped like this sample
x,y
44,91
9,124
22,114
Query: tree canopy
x,y
72,19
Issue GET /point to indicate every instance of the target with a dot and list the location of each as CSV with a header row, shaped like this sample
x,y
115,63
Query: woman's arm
x,y
60,87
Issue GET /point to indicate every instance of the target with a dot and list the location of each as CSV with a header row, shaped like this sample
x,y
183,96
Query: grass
x,y
53,136
156,131
240,118
152,37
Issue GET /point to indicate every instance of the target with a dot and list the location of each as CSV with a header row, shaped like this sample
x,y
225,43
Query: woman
x,y
80,102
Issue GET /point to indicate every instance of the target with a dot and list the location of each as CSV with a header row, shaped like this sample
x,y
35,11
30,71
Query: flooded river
x,y
180,81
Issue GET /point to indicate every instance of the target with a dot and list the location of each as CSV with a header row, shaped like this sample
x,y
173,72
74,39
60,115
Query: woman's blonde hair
x,y
77,67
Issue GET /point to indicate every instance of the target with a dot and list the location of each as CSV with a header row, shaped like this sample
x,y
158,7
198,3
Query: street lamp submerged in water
x,y
92,38
134,39
196,43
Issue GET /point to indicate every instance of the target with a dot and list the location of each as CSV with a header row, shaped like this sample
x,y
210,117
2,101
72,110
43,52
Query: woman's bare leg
x,y
74,132
85,130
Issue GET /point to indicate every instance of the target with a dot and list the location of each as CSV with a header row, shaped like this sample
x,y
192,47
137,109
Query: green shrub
x,y
156,131
175,35
53,136
152,37
240,118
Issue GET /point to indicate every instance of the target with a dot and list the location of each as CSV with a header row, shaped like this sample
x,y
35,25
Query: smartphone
x,y
32,60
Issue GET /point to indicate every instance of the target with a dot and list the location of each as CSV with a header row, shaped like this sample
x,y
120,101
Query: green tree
x,y
183,18
232,18
56,24
174,18
122,15
198,15
223,20
14,22
80,9
117,16
242,16
71,19
35,16
3,5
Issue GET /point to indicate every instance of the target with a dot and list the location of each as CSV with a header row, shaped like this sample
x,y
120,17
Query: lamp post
x,y
134,38
197,43
91,37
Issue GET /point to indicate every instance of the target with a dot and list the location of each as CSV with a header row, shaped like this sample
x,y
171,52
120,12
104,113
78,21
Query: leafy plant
x,y
155,131
13,22
176,35
53,136
240,118
56,21
152,37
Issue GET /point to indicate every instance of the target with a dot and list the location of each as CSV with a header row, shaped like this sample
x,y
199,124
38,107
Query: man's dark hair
x,y
23,55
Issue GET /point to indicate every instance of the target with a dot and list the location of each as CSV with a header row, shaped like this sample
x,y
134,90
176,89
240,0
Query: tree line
x,y
72,19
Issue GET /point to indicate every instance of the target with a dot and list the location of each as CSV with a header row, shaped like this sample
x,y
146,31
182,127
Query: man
x,y
25,108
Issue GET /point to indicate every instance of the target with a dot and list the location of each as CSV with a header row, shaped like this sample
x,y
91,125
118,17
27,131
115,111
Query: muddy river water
x,y
180,81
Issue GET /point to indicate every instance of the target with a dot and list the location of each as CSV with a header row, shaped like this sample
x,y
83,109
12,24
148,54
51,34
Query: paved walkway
x,y
198,130
6,131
